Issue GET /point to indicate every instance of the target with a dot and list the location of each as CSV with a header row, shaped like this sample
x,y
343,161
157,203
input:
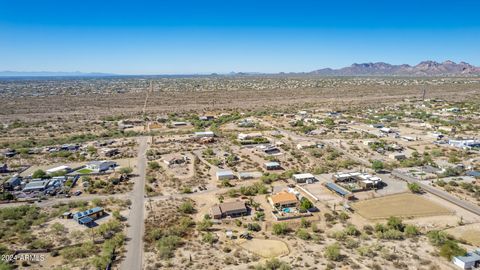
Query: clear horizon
x,y
188,37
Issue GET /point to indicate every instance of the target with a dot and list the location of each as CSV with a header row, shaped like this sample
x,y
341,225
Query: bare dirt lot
x,y
402,205
265,247
469,233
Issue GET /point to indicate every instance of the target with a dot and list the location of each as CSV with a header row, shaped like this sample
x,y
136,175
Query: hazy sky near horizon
x,y
172,37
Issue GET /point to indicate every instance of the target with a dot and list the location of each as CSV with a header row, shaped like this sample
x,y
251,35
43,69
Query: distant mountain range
x,y
52,74
425,68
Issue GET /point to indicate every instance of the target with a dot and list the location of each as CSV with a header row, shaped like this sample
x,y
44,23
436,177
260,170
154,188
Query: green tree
x,y
377,165
451,249
153,165
125,170
395,223
305,204
414,187
39,174
254,227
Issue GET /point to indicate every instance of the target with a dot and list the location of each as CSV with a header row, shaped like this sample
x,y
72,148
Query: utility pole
x,y
424,94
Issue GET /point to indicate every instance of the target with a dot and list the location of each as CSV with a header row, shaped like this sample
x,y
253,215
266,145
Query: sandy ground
x,y
469,233
403,205
265,247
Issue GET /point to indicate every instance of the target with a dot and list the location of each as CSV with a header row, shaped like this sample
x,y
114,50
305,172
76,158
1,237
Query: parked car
x,y
77,193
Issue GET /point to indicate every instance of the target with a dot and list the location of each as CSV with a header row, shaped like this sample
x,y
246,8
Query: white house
x,y
101,166
304,178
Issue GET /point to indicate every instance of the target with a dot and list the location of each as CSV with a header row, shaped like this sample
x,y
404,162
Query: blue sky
x,y
158,37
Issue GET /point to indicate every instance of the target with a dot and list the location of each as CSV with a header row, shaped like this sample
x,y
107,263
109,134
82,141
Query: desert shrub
x,y
332,252
166,246
303,234
254,227
280,228
187,208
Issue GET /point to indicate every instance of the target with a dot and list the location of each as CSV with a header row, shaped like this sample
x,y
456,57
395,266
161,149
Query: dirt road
x,y
134,256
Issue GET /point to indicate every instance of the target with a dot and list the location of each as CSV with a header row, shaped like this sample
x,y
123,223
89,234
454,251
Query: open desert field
x,y
170,95
469,233
402,205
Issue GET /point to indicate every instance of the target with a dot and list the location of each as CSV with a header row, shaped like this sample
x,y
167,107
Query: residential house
x,y
283,199
101,166
36,185
87,217
304,178
229,209
364,180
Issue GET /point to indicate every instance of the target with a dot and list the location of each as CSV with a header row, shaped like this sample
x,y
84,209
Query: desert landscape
x,y
287,173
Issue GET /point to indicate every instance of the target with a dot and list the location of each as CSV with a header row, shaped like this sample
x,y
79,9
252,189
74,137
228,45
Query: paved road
x,y
439,193
134,256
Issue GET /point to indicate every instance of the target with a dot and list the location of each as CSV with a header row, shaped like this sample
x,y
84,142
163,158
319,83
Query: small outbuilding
x,y
225,175
273,165
204,134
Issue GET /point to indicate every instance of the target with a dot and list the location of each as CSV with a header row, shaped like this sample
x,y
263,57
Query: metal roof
x,y
470,257
85,220
88,212
272,164
303,176
224,173
337,189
